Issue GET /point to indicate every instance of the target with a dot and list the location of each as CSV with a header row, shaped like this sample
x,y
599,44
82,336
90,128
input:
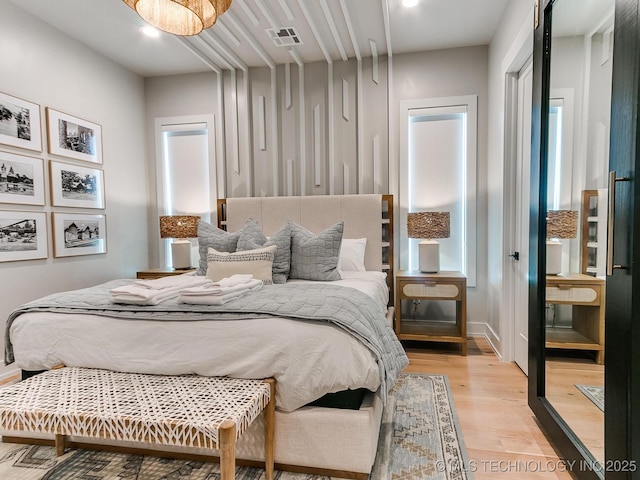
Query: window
x,y
185,169
438,173
186,179
560,167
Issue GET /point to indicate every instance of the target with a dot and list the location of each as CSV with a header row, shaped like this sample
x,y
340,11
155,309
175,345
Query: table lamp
x,y
180,227
560,224
429,226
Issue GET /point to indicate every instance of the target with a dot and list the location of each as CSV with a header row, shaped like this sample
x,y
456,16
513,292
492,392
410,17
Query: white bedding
x,y
373,284
308,359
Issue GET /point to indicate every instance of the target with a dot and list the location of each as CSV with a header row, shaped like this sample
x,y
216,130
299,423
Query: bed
x,y
317,363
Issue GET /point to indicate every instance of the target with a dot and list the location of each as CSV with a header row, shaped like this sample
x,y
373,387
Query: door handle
x,y
515,256
610,220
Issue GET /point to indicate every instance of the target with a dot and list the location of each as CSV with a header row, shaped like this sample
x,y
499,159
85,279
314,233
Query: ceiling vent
x,y
284,37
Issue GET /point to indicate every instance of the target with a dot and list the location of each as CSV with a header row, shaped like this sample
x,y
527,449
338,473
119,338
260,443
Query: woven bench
x,y
184,410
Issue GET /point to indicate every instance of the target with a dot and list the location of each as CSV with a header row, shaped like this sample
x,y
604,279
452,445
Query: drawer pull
x,y
610,220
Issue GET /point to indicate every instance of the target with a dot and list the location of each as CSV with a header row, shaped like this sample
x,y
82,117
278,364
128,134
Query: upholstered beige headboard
x,y
364,216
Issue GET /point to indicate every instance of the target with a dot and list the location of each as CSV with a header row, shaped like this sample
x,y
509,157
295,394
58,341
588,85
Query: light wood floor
x,y
502,436
580,413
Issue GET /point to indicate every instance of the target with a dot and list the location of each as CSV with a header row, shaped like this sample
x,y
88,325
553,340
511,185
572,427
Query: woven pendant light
x,y
180,17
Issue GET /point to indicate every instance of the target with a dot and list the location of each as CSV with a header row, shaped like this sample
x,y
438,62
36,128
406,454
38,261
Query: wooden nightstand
x,y
415,285
152,273
586,295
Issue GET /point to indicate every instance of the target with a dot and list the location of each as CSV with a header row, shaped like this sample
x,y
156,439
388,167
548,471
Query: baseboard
x,y
476,329
483,330
10,376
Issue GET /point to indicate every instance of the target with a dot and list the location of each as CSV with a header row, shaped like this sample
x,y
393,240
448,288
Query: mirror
x,y
580,76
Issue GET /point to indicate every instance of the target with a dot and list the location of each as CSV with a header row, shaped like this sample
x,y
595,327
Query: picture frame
x,y
21,179
76,186
73,137
20,123
23,235
78,234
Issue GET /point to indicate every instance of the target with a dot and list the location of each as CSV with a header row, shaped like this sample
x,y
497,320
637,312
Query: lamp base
x,y
181,254
429,256
554,257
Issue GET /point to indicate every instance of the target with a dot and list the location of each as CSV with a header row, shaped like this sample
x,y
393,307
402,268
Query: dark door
x,y
622,327
622,317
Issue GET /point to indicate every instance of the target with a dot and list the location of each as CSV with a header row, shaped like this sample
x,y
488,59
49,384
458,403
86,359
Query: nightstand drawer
x,y
431,290
577,295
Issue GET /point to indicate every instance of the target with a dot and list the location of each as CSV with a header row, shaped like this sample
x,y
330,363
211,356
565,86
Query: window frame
x,y
409,108
162,125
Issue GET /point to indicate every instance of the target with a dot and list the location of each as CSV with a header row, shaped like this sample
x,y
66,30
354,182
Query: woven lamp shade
x,y
179,226
562,224
180,17
428,225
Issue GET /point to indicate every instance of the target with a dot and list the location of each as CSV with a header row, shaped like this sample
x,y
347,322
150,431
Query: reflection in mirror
x,y
579,113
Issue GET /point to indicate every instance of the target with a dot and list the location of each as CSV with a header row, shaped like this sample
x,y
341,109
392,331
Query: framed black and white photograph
x,y
21,179
76,186
20,123
74,137
78,234
23,236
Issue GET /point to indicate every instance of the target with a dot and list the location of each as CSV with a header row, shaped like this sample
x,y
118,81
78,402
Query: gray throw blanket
x,y
348,308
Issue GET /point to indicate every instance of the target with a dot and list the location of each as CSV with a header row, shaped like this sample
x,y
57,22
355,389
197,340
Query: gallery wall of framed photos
x,y
74,180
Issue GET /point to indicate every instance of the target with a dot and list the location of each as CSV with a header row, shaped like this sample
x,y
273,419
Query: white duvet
x,y
308,359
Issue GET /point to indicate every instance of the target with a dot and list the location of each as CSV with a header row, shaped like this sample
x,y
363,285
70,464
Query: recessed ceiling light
x,y
149,31
409,3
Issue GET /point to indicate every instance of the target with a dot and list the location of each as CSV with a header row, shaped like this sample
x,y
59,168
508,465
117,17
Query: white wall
x,y
449,73
42,65
167,97
597,157
509,49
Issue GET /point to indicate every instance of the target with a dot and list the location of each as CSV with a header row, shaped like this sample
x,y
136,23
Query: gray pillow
x,y
315,257
252,238
211,236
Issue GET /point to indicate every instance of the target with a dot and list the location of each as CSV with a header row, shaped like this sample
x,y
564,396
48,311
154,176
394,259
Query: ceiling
x,y
328,30
579,17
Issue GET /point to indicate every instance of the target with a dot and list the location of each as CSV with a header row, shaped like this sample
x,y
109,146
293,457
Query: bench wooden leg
x,y
60,444
269,429
227,444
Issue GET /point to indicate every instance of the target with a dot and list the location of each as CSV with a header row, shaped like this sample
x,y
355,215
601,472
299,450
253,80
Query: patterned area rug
x,y
593,393
419,439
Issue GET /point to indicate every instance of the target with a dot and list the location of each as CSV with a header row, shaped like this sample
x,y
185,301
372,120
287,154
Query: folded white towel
x,y
141,295
172,281
233,280
220,299
212,289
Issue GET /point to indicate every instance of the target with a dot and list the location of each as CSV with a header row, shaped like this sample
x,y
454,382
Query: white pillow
x,y
351,258
258,262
